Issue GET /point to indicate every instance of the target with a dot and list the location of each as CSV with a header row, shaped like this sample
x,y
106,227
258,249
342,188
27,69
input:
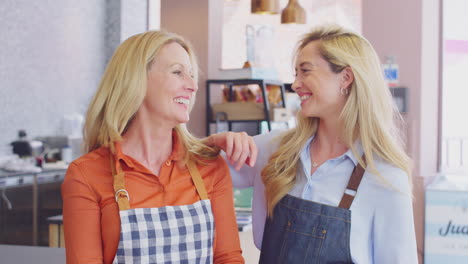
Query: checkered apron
x,y
169,234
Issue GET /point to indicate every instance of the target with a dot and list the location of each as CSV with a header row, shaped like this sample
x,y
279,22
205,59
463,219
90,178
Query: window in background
x,y
154,14
237,16
455,87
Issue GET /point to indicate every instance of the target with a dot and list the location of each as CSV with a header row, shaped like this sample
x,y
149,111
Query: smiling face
x,y
317,85
171,87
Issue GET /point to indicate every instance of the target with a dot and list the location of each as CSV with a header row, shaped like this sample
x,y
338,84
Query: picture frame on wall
x,y
400,97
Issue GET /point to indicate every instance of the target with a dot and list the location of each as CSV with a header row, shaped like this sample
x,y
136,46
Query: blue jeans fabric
x,y
302,231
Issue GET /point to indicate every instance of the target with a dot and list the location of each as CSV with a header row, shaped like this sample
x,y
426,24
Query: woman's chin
x,y
183,120
306,113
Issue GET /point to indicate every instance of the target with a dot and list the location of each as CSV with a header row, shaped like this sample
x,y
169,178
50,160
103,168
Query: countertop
x,y
27,254
4,173
14,179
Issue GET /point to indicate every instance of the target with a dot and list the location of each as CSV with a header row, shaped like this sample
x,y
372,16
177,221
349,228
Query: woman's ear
x,y
347,78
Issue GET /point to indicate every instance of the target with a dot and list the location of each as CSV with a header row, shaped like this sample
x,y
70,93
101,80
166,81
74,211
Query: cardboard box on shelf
x,y
241,110
249,73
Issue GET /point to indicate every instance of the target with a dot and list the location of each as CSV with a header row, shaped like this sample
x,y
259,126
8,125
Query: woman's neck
x,y
148,142
328,142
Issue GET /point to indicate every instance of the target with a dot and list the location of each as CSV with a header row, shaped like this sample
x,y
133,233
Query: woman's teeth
x,y
182,101
305,97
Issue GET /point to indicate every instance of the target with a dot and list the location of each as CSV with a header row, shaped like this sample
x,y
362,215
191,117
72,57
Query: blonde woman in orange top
x,y
148,191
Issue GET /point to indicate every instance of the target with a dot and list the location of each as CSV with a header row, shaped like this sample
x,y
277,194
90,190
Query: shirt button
x,y
168,163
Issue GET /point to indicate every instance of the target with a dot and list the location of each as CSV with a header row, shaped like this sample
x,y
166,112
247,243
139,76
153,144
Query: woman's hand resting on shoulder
x,y
239,147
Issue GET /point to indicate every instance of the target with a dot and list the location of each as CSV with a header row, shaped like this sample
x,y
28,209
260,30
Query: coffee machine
x,y
27,148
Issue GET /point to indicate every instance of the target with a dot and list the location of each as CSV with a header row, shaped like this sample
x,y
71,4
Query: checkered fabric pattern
x,y
170,234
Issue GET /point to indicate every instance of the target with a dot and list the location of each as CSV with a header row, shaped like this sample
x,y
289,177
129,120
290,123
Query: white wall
x,y
52,56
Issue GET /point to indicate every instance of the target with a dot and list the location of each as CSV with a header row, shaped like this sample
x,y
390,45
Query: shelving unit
x,y
237,82
27,200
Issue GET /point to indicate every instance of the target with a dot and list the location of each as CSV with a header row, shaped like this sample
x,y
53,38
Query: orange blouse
x,y
91,214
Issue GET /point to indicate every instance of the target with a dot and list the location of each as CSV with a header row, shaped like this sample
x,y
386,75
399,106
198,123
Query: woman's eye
x,y
301,72
177,72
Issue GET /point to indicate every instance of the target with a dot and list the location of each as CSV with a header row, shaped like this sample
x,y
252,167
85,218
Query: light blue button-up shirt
x,y
382,225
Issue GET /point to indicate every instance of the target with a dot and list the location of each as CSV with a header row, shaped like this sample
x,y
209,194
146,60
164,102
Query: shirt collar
x,y
305,152
359,151
178,148
120,156
178,151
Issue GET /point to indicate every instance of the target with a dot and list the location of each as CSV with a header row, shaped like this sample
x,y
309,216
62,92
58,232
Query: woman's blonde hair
x,y
123,88
369,114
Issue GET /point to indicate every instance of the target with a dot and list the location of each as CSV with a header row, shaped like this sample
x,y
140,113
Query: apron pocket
x,y
300,247
303,239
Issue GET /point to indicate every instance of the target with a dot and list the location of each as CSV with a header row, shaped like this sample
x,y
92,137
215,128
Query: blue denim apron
x,y
168,234
302,231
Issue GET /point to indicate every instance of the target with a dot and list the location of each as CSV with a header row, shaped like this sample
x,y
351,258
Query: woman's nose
x,y
191,85
192,88
295,85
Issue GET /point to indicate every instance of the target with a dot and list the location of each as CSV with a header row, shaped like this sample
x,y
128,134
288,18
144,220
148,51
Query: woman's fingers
x,y
237,148
245,141
253,152
229,137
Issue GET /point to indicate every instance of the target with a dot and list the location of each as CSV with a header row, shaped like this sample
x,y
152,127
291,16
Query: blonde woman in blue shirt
x,y
337,188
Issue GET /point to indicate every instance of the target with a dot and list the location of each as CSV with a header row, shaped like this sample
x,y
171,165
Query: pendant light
x,y
293,13
265,6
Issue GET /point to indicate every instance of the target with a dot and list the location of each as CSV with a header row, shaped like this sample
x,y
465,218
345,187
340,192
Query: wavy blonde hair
x,y
369,114
123,88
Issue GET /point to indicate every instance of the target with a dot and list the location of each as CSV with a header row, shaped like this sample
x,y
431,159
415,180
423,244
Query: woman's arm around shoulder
x,y
81,218
246,156
227,246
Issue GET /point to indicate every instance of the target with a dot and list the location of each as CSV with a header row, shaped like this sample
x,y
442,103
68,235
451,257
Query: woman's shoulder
x,y
214,170
211,164
389,178
92,163
89,175
270,140
93,156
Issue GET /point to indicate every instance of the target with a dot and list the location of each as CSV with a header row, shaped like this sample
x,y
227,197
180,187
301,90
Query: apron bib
x,y
168,234
303,231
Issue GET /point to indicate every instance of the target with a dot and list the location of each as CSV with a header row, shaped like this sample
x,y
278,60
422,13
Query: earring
x,y
344,91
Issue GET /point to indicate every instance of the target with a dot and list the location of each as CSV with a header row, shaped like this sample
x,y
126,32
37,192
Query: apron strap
x,y
121,195
197,180
353,185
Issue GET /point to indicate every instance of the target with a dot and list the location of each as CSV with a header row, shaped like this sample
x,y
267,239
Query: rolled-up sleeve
x,y
267,144
81,219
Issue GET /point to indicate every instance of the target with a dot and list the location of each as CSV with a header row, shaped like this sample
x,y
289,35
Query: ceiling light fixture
x,y
293,13
265,6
